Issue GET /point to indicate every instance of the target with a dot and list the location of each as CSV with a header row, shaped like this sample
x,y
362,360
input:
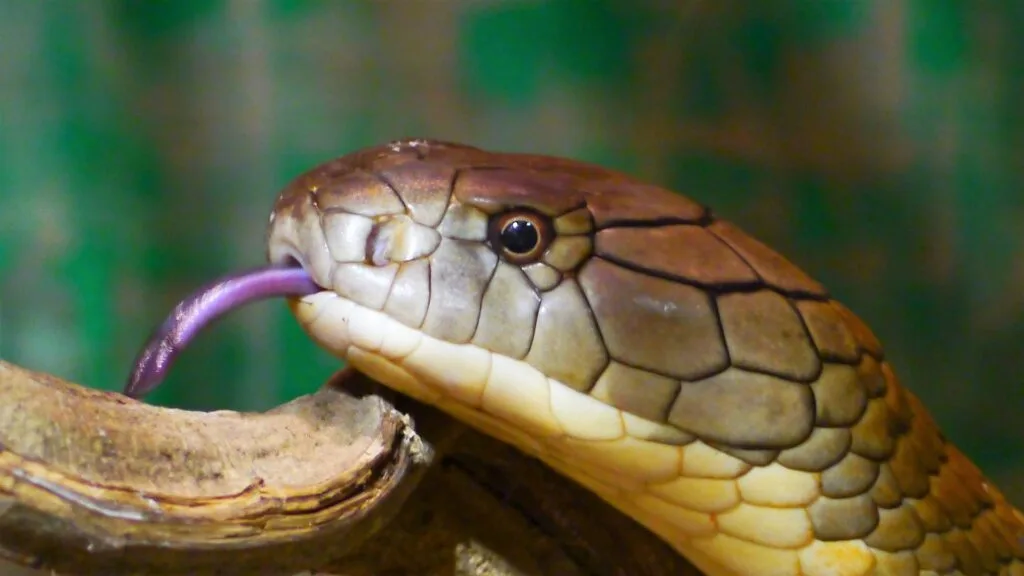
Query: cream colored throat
x,y
727,517
504,396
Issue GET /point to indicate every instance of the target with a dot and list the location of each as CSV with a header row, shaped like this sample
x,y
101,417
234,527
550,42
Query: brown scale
x,y
764,365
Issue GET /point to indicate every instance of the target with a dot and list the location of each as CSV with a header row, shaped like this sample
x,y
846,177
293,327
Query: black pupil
x,y
519,236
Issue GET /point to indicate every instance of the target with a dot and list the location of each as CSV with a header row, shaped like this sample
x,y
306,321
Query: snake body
x,y
619,332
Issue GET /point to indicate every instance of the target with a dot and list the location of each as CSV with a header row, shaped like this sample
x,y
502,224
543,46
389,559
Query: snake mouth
x,y
286,277
289,275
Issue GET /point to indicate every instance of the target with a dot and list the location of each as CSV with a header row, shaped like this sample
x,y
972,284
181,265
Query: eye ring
x,y
520,236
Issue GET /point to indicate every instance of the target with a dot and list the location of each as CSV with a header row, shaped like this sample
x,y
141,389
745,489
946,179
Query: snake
x,y
631,340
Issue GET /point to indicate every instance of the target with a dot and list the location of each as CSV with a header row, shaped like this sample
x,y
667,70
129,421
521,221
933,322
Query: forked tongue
x,y
204,306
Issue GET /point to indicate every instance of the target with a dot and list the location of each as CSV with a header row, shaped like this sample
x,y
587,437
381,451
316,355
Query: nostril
x,y
290,261
398,239
287,256
377,246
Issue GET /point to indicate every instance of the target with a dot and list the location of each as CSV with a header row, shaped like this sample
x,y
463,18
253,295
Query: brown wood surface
x,y
350,481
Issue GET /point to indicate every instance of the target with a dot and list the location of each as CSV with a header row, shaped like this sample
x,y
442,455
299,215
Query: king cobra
x,y
617,331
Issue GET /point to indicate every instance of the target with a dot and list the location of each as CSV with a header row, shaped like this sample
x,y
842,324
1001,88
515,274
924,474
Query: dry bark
x,y
350,480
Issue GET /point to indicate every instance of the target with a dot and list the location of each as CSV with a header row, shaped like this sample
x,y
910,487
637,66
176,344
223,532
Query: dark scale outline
x,y
430,290
757,457
570,272
561,275
395,189
864,409
810,341
713,305
717,288
657,371
600,335
830,464
593,318
747,368
483,294
825,355
391,289
649,223
479,303
794,293
339,210
729,363
714,289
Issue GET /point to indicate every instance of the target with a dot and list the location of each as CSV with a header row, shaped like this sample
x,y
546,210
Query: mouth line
x,y
201,308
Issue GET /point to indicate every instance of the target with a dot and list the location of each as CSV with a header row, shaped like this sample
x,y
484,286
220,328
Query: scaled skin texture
x,y
678,368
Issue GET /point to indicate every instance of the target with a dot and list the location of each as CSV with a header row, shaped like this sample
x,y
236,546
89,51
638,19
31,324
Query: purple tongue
x,y
204,306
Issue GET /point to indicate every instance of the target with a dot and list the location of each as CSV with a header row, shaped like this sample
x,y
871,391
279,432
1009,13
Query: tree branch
x,y
92,482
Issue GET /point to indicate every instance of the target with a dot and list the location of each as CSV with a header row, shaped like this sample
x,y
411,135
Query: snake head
x,y
547,295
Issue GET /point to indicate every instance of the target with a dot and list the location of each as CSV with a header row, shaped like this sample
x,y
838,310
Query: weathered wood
x,y
341,481
93,482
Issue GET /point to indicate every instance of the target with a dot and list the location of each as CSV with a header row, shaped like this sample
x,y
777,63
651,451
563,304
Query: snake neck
x,y
885,495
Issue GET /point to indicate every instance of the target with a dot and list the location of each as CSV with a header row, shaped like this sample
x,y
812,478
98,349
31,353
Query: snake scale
x,y
621,333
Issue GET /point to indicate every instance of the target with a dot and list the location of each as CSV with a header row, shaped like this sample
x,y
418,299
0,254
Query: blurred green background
x,y
876,143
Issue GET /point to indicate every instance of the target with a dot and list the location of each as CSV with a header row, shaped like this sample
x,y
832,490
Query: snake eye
x,y
522,236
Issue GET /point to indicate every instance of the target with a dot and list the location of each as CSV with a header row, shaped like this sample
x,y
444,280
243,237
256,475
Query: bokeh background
x,y
877,143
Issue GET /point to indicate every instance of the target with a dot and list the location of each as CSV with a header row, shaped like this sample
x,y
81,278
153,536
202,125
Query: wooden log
x,y
349,480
